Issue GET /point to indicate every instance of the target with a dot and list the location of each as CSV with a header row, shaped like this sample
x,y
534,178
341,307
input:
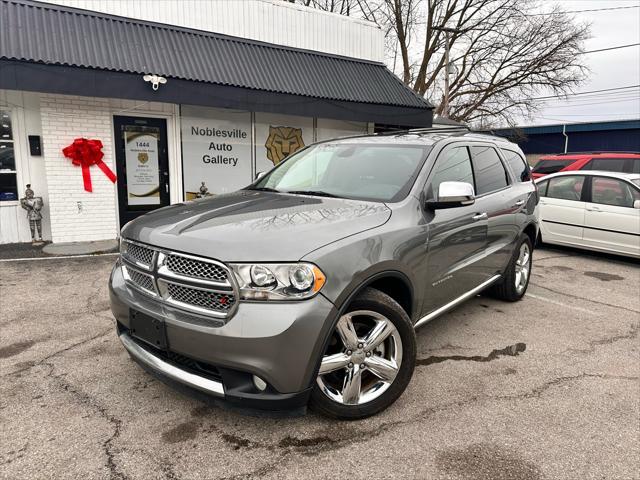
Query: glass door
x,y
142,164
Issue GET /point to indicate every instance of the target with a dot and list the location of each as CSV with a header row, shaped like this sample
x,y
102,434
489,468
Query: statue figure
x,y
203,191
33,205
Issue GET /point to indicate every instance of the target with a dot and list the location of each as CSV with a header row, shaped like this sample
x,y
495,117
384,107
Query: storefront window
x,y
8,177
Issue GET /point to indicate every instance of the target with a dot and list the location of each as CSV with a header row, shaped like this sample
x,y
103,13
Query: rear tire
x,y
516,277
359,376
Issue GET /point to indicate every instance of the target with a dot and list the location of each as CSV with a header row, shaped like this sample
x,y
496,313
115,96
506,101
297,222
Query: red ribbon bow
x,y
84,153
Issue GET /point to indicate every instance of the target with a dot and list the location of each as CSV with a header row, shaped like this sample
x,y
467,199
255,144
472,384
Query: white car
x,y
592,210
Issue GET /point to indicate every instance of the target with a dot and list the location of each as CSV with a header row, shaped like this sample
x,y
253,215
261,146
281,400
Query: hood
x,y
257,226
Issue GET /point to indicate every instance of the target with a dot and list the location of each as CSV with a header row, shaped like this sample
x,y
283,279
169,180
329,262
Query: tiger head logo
x,y
282,142
143,157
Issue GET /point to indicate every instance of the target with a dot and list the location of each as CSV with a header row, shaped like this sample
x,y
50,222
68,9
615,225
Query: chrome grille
x,y
189,267
139,254
141,280
207,299
196,284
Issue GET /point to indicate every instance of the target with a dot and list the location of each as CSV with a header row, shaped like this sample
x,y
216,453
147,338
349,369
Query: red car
x,y
624,162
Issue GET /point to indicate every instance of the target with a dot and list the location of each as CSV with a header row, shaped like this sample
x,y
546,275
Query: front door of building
x,y
142,164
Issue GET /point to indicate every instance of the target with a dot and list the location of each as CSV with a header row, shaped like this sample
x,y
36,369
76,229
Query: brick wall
x,y
77,215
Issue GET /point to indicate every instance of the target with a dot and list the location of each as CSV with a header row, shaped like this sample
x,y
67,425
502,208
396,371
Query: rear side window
x,y
542,188
609,191
566,188
488,169
452,166
606,164
551,166
518,165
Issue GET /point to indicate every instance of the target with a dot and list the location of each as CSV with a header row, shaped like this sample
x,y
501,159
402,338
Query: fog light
x,y
259,383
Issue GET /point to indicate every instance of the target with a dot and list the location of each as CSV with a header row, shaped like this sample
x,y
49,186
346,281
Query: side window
x,y
609,191
542,188
566,188
606,164
453,166
489,172
635,165
551,166
518,165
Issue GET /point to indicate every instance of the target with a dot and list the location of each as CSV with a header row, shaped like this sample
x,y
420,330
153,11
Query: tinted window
x,y
566,188
489,172
363,171
606,164
609,191
635,166
551,166
542,188
452,166
518,165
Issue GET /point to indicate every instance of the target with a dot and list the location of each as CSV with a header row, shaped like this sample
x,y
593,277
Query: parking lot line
x,y
555,302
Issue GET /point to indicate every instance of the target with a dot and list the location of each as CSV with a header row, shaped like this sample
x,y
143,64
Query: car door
x,y
497,199
611,221
457,237
562,210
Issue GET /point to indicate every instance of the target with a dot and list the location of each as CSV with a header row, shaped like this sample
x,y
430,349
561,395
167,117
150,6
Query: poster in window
x,y
216,150
143,173
279,136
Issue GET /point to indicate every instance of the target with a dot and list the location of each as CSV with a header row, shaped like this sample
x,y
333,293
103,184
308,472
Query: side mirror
x,y
452,195
259,175
636,204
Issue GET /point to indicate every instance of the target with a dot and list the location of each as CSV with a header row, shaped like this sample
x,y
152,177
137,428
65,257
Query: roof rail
x,y
601,152
426,130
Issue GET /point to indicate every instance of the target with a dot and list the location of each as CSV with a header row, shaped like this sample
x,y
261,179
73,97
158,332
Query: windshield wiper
x,y
263,189
315,193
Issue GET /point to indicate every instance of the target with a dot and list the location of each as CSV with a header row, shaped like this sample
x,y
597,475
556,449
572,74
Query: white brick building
x,y
213,121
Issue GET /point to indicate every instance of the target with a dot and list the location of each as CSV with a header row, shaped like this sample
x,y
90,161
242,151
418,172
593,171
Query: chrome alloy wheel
x,y
523,266
362,359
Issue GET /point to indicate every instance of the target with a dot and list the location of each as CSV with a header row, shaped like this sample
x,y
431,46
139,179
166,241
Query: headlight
x,y
278,281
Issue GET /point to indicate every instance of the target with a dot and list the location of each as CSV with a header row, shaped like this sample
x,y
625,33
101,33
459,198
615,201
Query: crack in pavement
x,y
58,352
584,298
510,351
87,400
631,334
342,438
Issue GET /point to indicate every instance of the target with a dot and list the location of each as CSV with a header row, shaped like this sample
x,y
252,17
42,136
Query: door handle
x,y
593,209
519,203
480,216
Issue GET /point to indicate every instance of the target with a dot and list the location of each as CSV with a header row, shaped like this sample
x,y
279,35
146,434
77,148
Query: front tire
x,y
369,360
515,280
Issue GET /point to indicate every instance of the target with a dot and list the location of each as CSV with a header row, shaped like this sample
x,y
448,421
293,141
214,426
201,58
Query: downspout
x,y
566,137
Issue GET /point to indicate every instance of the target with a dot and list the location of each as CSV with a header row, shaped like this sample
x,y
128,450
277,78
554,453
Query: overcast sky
x,y
611,69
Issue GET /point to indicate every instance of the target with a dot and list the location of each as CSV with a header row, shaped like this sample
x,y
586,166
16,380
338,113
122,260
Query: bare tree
x,y
502,52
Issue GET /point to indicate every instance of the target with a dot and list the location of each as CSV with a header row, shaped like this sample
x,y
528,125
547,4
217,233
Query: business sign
x,y
141,156
216,150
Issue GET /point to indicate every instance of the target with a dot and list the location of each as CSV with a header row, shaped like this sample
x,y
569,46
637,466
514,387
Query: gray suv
x,y
306,287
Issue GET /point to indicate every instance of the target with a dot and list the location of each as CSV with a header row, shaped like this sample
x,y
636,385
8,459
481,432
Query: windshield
x,y
358,171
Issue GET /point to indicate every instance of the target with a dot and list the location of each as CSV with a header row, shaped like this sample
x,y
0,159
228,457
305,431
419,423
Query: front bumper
x,y
280,342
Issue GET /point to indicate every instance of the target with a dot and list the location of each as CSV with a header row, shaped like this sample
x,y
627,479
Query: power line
x,y
612,48
586,93
582,11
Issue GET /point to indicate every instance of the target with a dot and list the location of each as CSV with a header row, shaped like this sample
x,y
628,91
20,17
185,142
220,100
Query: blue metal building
x,y
619,136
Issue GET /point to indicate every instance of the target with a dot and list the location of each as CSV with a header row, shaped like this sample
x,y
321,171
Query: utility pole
x,y
445,102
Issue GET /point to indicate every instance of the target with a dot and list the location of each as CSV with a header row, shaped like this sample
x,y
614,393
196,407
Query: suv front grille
x,y
215,301
142,280
191,283
190,267
139,254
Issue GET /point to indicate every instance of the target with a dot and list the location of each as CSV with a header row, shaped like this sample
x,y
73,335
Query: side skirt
x,y
457,301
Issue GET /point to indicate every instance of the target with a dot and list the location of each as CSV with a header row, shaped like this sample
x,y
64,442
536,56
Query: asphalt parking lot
x,y
547,388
